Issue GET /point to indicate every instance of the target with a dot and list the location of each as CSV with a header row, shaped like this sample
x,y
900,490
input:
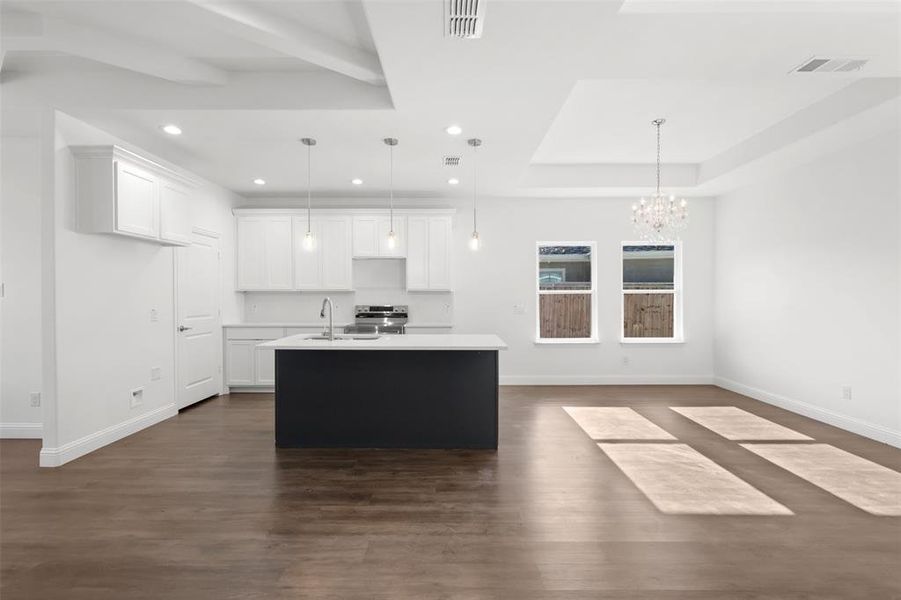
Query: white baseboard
x,y
606,379
21,431
250,389
830,417
55,457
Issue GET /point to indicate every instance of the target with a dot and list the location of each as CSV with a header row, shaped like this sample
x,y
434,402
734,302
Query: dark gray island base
x,y
383,398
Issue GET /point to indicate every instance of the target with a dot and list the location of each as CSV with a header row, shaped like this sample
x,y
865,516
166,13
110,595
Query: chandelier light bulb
x,y
308,242
474,242
392,240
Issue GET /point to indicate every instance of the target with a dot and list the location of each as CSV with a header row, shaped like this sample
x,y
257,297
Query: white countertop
x,y
320,325
423,341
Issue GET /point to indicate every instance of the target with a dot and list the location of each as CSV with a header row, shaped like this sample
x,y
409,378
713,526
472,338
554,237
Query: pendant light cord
x,y
309,188
658,123
475,171
391,188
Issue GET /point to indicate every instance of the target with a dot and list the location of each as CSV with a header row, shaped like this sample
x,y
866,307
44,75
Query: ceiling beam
x,y
28,32
292,39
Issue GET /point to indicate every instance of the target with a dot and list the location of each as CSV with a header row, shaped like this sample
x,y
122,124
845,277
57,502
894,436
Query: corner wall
x,y
808,289
105,342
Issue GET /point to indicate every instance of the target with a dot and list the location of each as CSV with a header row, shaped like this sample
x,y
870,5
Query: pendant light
x,y
308,242
474,241
392,237
660,217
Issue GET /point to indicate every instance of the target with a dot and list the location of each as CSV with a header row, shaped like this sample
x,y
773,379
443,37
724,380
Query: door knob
x,y
183,328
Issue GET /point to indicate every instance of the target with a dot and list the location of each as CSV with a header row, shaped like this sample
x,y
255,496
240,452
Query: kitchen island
x,y
396,391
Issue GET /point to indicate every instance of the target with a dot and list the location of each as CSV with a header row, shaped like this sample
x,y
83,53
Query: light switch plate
x,y
154,315
155,373
35,398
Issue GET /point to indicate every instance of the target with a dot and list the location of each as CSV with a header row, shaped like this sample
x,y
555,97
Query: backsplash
x,y
377,281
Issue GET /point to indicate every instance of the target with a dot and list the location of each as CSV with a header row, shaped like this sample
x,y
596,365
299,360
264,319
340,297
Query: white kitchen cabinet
x,y
246,364
327,266
264,253
175,213
123,193
239,362
370,236
264,366
429,253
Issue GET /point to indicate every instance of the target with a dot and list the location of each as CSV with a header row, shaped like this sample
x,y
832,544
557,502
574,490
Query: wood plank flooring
x,y
204,506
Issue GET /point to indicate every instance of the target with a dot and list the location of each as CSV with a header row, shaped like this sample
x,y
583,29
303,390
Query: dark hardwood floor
x,y
204,506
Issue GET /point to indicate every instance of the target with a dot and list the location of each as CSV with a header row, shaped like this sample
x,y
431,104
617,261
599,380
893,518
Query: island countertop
x,y
455,341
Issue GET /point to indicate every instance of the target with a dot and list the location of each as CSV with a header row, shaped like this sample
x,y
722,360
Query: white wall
x,y
20,251
491,282
807,289
105,288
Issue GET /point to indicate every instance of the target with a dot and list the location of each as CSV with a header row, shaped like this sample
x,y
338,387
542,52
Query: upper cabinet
x,y
123,193
429,253
327,265
264,253
370,236
271,254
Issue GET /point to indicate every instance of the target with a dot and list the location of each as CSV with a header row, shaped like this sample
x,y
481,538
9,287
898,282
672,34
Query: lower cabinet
x,y
246,364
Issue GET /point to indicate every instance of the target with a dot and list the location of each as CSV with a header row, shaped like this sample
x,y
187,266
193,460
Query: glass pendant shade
x,y
392,240
309,242
474,242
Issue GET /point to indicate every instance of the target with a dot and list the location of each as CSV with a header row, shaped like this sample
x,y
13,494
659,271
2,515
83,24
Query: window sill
x,y
566,341
651,340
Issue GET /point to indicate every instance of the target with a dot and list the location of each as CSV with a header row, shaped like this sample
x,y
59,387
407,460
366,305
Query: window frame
x,y
594,339
677,292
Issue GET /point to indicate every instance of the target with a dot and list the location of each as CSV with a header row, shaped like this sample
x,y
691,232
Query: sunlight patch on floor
x,y
615,423
858,481
734,423
681,480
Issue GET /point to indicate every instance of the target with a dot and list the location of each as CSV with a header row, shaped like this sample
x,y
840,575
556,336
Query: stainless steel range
x,y
378,318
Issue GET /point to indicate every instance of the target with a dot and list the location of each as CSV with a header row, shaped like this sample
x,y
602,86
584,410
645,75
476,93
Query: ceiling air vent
x,y
464,18
452,161
819,64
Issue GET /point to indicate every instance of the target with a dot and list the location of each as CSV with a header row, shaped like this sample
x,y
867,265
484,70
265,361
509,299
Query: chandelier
x,y
660,217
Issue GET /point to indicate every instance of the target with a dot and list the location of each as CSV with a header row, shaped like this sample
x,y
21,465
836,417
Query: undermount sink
x,y
346,336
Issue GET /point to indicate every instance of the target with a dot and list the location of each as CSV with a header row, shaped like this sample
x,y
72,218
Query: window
x,y
567,305
652,292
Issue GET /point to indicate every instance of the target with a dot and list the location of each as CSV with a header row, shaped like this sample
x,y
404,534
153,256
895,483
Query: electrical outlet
x,y
155,373
35,398
137,397
447,308
253,308
846,392
154,315
625,361
519,309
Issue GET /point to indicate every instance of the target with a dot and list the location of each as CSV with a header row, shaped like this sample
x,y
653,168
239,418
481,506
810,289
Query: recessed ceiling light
x,y
454,130
259,181
356,181
453,181
171,129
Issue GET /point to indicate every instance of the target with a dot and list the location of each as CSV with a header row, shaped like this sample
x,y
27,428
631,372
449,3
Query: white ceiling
x,y
561,92
609,121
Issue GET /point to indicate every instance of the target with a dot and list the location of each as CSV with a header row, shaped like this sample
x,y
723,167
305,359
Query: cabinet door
x,y
336,252
251,257
366,242
400,230
175,213
307,263
439,253
137,201
417,253
279,259
239,361
264,367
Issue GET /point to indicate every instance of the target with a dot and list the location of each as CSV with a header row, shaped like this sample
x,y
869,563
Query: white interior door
x,y
199,331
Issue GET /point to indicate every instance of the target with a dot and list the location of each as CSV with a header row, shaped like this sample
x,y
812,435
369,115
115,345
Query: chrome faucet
x,y
331,317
